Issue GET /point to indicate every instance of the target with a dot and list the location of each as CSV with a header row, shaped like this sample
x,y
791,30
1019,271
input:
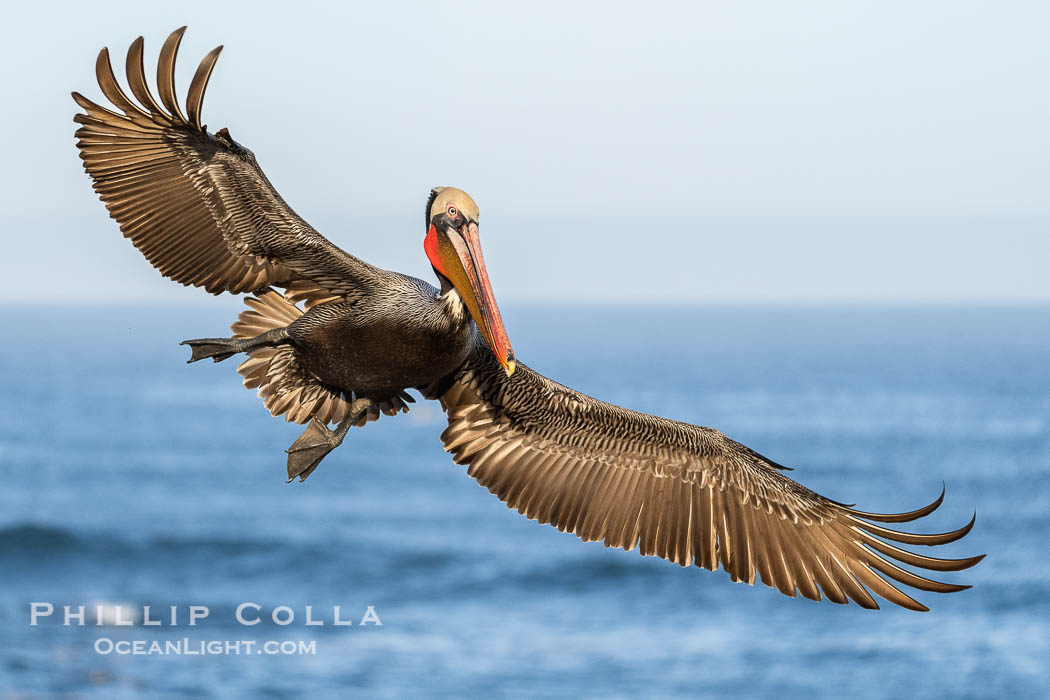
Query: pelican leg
x,y
317,441
221,348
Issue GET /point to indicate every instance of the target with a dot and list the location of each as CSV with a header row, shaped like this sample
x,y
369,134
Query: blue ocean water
x,y
134,479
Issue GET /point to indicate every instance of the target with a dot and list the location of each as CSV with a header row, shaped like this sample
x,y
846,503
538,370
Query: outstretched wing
x,y
196,204
677,491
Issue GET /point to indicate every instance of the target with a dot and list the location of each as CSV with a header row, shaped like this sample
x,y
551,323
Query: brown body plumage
x,y
344,340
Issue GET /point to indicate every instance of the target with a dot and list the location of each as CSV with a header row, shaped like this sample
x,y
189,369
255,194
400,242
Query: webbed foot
x,y
221,348
216,348
312,446
317,441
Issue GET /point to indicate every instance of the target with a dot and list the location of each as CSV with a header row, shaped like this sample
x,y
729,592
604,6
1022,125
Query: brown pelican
x,y
201,211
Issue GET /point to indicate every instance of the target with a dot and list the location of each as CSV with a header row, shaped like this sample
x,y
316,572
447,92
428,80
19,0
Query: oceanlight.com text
x,y
203,647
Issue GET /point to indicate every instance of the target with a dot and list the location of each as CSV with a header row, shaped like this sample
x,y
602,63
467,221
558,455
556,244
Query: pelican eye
x,y
452,212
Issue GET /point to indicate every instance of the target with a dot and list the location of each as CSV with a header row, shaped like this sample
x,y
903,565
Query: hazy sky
x,y
823,151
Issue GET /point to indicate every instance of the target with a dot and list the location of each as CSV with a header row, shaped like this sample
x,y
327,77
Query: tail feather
x,y
286,387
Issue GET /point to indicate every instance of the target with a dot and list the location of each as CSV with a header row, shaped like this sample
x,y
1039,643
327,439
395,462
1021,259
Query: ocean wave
x,y
33,537
29,544
36,540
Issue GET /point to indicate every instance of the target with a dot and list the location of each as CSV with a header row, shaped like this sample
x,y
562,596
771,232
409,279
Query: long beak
x,y
478,293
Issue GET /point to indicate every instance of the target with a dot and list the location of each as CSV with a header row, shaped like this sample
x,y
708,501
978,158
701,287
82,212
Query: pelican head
x,y
454,249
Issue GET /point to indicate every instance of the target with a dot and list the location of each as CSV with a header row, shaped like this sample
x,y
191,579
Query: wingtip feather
x,y
199,84
902,517
166,74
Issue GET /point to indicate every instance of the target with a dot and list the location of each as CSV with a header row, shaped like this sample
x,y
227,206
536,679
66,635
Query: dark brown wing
x,y
677,491
196,204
